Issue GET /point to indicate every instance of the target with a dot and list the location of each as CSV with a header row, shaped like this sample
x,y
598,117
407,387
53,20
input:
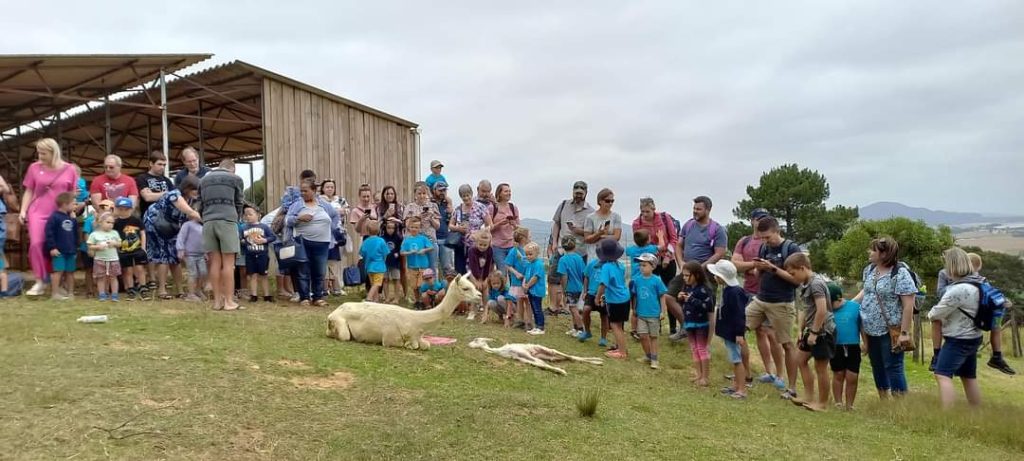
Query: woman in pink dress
x,y
44,180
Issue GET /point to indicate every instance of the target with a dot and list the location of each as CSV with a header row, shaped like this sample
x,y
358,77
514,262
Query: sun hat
x,y
609,250
646,258
123,202
725,270
759,213
436,163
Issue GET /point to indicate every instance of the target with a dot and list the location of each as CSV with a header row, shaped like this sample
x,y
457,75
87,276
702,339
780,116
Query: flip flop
x,y
808,407
165,297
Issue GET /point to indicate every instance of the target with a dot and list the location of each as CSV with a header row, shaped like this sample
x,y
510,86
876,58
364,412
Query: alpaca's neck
x,y
444,309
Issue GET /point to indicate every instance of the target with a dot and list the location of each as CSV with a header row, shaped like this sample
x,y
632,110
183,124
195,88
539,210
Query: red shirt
x,y
658,228
113,189
749,247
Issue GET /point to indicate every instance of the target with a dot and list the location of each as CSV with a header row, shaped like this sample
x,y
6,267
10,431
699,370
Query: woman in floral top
x,y
887,299
468,218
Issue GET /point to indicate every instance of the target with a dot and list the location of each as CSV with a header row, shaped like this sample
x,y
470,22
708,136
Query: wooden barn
x,y
131,105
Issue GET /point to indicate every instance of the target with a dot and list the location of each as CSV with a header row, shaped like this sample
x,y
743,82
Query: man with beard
x,y
153,184
703,240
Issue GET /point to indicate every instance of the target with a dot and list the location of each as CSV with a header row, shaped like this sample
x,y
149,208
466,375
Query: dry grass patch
x,y
293,364
337,380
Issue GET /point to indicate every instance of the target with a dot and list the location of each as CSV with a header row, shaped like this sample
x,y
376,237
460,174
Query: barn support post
x,y
163,120
202,142
106,125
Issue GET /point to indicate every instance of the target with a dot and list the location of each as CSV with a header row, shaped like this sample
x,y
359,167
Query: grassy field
x,y
169,380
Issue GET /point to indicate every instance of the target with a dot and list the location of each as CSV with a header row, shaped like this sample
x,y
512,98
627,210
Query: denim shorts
x,y
733,349
958,357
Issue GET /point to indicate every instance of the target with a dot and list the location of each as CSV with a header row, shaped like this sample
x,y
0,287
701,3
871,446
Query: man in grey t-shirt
x,y
569,219
221,195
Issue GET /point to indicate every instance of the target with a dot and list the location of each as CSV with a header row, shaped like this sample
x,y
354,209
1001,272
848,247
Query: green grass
x,y
197,384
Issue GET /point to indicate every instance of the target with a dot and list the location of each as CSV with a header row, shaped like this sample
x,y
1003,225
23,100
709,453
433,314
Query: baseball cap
x,y
436,163
579,185
835,292
123,202
441,185
646,258
428,273
759,213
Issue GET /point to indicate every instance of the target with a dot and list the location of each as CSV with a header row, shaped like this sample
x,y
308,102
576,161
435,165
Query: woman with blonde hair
x,y
44,180
961,337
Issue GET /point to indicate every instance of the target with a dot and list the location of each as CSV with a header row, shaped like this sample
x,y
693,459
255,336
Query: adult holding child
x,y
506,219
661,231
310,222
429,215
45,179
887,307
962,338
162,220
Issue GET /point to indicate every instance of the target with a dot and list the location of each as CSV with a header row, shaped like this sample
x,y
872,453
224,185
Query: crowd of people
x,y
131,234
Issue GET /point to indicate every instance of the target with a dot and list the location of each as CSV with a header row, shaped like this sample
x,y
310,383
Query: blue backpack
x,y
990,301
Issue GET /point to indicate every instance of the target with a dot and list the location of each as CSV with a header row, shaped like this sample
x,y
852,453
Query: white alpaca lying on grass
x,y
532,354
396,326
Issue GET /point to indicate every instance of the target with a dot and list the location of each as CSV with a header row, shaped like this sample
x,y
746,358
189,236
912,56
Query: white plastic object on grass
x,y
92,319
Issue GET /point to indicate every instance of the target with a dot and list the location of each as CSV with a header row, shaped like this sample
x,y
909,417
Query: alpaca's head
x,y
479,343
463,288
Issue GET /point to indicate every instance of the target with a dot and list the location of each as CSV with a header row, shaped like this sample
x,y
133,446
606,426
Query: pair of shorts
x,y
64,263
393,274
376,279
106,269
958,357
517,292
590,302
196,266
572,300
221,237
734,351
846,358
823,348
258,264
618,312
781,315
135,258
650,326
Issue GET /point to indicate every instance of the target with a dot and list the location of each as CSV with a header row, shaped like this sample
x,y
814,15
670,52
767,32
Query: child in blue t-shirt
x,y
515,264
535,285
613,293
591,280
374,251
642,239
649,304
499,299
698,303
416,247
430,291
845,363
570,269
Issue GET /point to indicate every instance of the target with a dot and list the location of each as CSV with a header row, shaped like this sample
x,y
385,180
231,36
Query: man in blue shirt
x,y
703,240
190,158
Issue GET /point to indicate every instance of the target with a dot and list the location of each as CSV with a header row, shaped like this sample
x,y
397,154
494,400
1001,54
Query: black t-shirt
x,y
130,230
154,184
775,289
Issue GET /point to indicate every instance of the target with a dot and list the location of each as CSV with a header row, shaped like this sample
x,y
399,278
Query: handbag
x,y
293,251
352,277
164,227
455,239
894,331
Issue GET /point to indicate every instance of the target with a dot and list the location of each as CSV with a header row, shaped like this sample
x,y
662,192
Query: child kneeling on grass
x,y
845,363
650,306
731,324
499,299
817,339
430,291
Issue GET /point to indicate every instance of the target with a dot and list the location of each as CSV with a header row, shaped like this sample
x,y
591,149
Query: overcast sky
x,y
916,102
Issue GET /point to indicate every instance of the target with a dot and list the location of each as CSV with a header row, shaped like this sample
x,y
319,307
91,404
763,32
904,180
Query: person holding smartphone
x,y
505,217
603,223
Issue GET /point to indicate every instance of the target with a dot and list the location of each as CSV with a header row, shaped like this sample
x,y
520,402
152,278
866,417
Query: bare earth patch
x,y
338,380
293,364
123,346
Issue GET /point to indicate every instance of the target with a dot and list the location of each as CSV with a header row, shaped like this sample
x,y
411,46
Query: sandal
x,y
165,296
304,303
319,303
616,354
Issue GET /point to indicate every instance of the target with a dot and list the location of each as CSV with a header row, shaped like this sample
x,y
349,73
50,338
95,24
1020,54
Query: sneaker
x,y
253,298
295,298
727,391
779,383
38,289
603,342
935,360
115,298
268,299
1000,364
738,396
103,297
766,379
304,303
59,297
654,364
572,332
535,332
584,336
678,336
635,335
749,384
788,394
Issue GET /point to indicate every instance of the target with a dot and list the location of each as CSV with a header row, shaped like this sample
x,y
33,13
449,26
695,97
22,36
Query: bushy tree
x,y
796,197
921,247
736,231
1004,271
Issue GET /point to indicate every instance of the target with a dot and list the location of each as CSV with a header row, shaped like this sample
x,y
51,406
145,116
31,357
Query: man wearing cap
x,y
743,256
112,185
435,174
569,218
445,255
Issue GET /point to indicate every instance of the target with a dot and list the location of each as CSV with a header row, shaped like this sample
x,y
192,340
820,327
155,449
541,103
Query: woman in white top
x,y
603,223
959,353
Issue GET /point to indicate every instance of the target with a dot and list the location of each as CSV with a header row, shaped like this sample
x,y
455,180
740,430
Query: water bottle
x,y
92,319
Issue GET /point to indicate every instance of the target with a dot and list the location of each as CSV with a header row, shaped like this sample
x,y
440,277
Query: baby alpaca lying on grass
x,y
532,354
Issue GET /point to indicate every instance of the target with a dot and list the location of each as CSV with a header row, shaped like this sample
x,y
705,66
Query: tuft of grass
x,y
586,403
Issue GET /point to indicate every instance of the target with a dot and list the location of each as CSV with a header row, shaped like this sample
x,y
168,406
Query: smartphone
x,y
425,209
366,211
607,223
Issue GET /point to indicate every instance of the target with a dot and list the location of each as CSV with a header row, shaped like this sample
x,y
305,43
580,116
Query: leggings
x,y
699,344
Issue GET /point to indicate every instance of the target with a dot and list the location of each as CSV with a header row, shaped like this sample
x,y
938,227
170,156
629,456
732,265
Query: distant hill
x,y
541,230
886,210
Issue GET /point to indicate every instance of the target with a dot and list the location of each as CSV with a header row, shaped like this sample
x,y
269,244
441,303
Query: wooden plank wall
x,y
302,130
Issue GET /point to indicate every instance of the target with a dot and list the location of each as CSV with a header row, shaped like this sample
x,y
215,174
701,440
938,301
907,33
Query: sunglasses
x,y
609,200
